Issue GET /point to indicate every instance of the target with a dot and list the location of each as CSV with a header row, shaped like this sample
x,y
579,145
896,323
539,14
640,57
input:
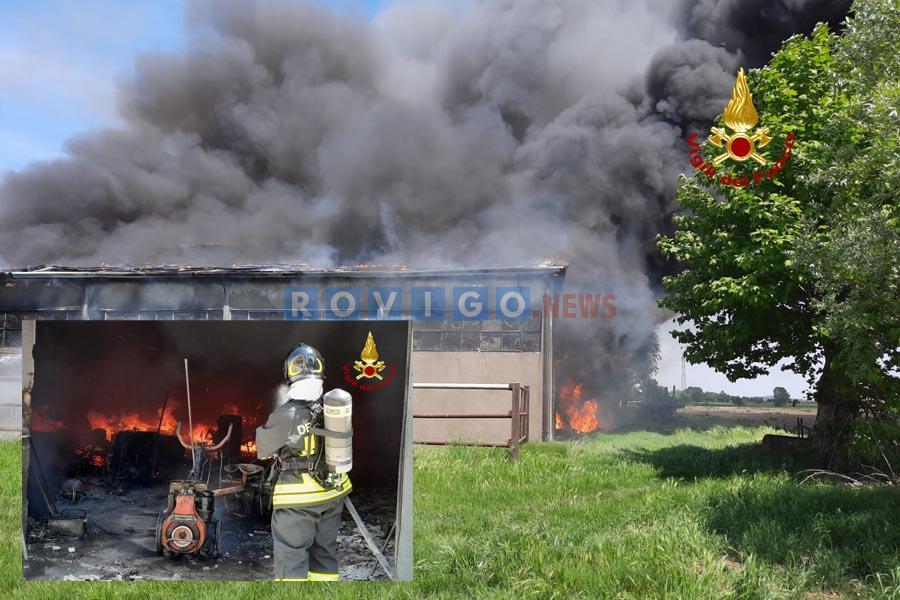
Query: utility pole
x,y
683,374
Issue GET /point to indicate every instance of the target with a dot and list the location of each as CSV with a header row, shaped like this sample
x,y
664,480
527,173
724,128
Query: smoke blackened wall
x,y
504,133
124,369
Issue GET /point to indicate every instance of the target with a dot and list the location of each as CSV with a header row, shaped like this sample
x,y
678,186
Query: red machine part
x,y
182,531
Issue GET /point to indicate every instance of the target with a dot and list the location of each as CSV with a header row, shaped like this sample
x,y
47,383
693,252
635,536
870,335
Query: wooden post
x,y
526,409
515,427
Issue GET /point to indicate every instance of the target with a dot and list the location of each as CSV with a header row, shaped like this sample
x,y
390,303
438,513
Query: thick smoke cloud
x,y
756,28
508,133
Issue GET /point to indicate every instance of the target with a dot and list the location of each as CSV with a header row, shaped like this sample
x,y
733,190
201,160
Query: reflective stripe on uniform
x,y
309,445
308,491
324,576
307,484
291,579
295,499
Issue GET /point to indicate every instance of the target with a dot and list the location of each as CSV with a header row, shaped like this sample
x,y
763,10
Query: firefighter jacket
x,y
288,436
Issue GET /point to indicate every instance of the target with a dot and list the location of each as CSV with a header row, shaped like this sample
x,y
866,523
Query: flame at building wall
x,y
576,413
40,421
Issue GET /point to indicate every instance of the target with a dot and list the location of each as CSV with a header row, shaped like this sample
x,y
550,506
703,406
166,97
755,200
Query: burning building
x,y
110,342
298,135
449,345
111,417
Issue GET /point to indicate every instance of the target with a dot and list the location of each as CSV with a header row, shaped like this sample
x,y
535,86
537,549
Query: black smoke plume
x,y
504,133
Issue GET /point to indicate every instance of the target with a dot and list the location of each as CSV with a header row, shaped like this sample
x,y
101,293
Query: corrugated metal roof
x,y
275,271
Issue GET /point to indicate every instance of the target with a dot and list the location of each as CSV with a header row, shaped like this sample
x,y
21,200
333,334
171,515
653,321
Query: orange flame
x,y
583,415
93,455
202,433
134,421
41,422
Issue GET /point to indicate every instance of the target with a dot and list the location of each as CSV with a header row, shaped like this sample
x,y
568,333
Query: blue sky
x,y
59,60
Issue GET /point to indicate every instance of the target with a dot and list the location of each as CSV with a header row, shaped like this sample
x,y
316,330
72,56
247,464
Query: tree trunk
x,y
838,412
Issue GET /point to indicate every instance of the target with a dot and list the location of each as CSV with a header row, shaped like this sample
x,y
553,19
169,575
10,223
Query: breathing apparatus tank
x,y
338,413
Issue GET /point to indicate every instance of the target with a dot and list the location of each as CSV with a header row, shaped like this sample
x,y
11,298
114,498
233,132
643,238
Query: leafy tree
x,y
774,272
655,393
694,394
780,396
642,369
853,256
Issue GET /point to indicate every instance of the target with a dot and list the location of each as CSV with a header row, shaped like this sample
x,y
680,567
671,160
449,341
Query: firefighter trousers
x,y
305,540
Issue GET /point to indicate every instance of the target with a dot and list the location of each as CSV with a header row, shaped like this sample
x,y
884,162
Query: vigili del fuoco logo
x,y
740,140
369,367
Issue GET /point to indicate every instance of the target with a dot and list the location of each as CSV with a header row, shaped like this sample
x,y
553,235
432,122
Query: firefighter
x,y
307,502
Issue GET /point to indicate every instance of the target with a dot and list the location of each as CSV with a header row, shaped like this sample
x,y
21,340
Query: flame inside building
x,y
576,413
99,384
108,398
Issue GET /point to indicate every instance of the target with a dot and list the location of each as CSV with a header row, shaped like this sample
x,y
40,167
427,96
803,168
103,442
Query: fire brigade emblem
x,y
369,367
740,117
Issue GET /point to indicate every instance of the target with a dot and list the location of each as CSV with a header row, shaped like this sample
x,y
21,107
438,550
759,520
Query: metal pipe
x,y
387,538
234,489
505,415
224,439
454,443
370,541
187,383
548,420
462,386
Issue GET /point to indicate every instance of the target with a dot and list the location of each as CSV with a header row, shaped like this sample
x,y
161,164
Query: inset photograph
x,y
213,450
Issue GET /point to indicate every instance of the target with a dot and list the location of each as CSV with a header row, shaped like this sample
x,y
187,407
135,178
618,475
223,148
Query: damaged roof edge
x,y
549,268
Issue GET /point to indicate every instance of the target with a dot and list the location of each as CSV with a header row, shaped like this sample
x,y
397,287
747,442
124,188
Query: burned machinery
x,y
188,525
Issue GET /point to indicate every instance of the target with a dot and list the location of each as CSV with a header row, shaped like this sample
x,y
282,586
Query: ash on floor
x,y
119,540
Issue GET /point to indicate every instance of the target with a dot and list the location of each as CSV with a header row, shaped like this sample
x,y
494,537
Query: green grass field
x,y
637,515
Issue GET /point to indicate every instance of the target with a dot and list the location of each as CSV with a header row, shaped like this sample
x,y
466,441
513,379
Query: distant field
x,y
806,407
636,515
746,416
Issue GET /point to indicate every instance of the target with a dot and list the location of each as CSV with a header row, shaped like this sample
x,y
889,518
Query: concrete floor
x,y
119,541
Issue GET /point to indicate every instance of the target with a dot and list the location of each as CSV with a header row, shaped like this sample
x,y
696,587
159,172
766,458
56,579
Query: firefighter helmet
x,y
304,362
